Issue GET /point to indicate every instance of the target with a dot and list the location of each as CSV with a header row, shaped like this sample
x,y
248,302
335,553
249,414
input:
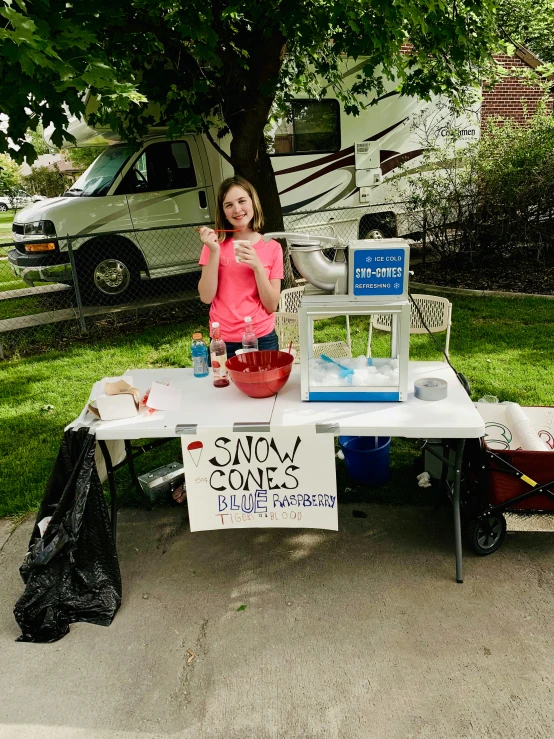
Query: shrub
x,y
83,158
47,181
491,198
10,178
515,202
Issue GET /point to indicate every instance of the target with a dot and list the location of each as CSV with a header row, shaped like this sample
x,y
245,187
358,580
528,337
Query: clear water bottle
x,y
249,340
199,352
218,354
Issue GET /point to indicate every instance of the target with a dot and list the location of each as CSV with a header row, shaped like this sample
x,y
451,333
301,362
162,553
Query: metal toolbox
x,y
161,481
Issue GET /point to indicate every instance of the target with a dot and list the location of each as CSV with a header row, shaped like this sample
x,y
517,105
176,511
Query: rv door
x,y
166,186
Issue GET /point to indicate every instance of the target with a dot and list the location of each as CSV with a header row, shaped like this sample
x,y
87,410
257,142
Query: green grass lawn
x,y
503,346
14,307
8,281
17,307
6,220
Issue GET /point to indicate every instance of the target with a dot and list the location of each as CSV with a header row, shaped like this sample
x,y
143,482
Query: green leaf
x,y
241,608
203,63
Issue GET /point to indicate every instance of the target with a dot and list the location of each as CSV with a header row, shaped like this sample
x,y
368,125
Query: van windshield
x,y
97,179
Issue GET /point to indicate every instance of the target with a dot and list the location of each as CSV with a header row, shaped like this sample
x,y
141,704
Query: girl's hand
x,y
248,255
209,237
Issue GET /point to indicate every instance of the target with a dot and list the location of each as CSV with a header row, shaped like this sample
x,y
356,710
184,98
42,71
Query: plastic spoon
x,y
344,371
222,230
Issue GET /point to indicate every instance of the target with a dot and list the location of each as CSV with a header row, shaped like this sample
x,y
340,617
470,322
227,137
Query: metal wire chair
x,y
436,313
289,305
287,330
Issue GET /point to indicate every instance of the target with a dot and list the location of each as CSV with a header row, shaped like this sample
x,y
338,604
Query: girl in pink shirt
x,y
247,283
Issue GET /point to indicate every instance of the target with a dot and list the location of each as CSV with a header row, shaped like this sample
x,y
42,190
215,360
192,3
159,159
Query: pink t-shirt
x,y
237,292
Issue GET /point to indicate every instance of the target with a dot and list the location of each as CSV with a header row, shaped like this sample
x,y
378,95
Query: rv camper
x,y
323,159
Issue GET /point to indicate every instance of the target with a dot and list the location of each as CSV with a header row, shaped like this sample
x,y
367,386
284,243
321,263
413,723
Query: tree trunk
x,y
259,172
257,169
246,114
250,160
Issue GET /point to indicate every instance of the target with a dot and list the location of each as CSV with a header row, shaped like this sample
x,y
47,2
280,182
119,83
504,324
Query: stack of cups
x,y
522,428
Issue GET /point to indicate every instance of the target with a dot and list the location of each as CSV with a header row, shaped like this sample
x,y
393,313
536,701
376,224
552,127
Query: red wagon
x,y
500,476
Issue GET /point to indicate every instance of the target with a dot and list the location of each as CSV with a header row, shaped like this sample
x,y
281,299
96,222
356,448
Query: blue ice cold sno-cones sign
x,y
379,272
279,479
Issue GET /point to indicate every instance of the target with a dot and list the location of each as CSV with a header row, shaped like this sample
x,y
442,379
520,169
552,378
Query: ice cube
x,y
361,377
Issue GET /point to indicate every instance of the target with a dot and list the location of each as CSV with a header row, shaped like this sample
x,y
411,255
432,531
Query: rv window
x,y
311,126
164,166
97,179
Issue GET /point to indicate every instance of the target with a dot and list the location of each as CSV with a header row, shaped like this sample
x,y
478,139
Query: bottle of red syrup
x,y
218,355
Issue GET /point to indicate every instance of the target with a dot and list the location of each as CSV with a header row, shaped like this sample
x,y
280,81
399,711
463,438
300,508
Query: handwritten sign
x,y
282,478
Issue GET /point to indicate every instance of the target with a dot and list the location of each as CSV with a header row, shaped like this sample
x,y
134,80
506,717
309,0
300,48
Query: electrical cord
x,y
461,377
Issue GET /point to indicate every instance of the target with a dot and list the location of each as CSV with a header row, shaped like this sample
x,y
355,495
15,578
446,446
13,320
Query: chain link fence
x,y
62,288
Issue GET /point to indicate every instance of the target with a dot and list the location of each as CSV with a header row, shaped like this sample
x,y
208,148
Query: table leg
x,y
131,464
459,447
111,483
453,491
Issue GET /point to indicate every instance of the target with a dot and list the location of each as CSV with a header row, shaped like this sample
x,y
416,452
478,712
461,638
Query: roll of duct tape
x,y
430,388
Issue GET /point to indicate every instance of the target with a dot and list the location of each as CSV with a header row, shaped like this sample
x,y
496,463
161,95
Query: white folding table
x,y
203,406
453,419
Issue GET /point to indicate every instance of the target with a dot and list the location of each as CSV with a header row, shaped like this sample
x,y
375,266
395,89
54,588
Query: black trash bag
x,y
72,573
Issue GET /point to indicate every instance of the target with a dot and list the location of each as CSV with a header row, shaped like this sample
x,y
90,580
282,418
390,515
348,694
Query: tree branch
x,y
216,146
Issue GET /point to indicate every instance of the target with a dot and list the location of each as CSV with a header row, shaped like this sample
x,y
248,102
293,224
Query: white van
x,y
322,158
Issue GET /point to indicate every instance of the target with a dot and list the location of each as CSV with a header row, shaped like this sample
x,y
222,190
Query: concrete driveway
x,y
361,633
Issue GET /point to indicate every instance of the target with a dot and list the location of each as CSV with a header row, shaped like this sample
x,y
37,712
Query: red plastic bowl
x,y
260,374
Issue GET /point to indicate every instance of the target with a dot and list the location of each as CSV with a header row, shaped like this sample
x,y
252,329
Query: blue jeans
x,y
269,341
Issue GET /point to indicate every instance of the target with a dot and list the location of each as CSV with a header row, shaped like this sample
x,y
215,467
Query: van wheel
x,y
375,233
3,207
109,277
378,226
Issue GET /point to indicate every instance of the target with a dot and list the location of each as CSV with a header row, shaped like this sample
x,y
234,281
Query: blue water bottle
x,y
199,352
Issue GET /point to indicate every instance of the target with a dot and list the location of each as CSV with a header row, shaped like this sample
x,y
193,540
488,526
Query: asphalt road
x,y
356,634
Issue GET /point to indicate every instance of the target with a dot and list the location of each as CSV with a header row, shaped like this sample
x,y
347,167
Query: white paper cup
x,y
236,244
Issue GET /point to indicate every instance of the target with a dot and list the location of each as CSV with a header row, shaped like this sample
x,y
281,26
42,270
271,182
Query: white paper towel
x,y
522,428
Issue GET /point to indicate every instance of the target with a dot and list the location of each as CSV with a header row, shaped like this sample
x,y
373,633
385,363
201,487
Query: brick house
x,y
512,97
